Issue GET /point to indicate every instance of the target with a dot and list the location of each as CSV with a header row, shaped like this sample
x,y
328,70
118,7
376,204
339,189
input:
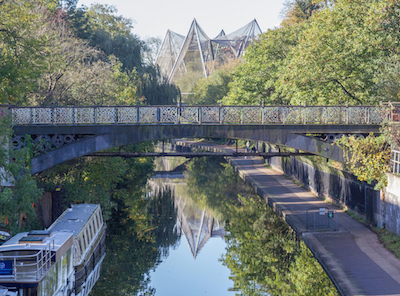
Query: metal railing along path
x,y
240,115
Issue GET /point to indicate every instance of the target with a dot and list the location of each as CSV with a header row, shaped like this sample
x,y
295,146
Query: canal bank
x,y
352,256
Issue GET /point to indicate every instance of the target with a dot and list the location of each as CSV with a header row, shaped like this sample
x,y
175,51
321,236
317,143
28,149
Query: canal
x,y
205,232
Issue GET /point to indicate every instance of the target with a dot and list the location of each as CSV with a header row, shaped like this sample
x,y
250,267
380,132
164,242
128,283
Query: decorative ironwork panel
x,y
84,115
21,115
271,115
63,115
335,114
148,115
127,114
42,115
105,115
168,114
210,114
357,115
313,114
251,114
291,114
230,114
189,114
377,114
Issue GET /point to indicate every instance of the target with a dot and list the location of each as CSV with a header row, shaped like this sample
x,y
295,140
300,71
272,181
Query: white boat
x,y
63,260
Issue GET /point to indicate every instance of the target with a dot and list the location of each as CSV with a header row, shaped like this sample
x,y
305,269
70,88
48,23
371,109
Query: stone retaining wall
x,y
392,204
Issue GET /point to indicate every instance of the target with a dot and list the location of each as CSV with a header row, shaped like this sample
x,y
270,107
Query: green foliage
x,y
258,77
390,240
368,159
297,11
17,211
325,52
338,55
20,47
111,34
99,180
140,233
155,89
211,90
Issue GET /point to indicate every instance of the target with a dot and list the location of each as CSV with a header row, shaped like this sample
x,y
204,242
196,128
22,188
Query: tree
x,y
297,11
258,77
21,46
17,211
368,159
211,90
152,46
155,89
340,53
110,33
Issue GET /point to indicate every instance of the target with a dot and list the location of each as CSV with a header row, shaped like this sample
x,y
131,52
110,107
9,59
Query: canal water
x,y
194,262
204,232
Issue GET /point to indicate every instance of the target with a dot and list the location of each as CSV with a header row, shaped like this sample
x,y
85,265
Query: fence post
x,y
262,112
137,113
95,113
200,114
220,110
178,111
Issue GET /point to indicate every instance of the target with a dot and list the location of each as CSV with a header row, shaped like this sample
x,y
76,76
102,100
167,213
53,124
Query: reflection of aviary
x,y
263,253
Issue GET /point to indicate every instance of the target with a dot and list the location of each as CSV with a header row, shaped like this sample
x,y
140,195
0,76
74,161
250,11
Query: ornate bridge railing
x,y
199,114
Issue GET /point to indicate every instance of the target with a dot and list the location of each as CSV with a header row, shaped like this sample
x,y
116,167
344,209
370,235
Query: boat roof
x,y
60,239
74,218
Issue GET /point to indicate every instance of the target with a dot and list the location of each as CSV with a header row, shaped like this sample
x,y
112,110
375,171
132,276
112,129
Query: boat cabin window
x,y
94,226
88,237
80,245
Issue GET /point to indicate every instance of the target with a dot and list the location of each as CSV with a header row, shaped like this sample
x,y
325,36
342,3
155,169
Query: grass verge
x,y
390,240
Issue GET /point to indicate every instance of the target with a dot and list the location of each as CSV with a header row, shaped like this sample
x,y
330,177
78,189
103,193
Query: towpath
x,y
353,257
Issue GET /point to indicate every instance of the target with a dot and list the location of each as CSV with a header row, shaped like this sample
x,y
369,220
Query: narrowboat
x,y
64,259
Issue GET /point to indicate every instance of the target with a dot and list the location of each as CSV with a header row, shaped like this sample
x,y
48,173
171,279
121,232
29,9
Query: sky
x,y
152,18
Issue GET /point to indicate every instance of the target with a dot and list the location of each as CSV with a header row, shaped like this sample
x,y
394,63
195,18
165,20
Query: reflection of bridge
x,y
88,130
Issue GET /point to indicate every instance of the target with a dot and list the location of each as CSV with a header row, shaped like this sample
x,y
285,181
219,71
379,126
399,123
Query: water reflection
x,y
170,240
192,267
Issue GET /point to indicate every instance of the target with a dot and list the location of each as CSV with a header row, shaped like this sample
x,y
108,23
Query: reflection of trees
x,y
262,251
131,252
139,234
162,210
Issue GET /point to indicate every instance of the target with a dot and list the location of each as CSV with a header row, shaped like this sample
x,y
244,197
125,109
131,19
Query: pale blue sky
x,y
152,18
181,275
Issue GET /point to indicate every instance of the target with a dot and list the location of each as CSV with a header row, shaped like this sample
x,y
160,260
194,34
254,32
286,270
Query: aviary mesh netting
x,y
196,52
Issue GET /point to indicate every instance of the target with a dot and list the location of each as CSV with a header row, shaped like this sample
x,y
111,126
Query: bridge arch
x,y
110,136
